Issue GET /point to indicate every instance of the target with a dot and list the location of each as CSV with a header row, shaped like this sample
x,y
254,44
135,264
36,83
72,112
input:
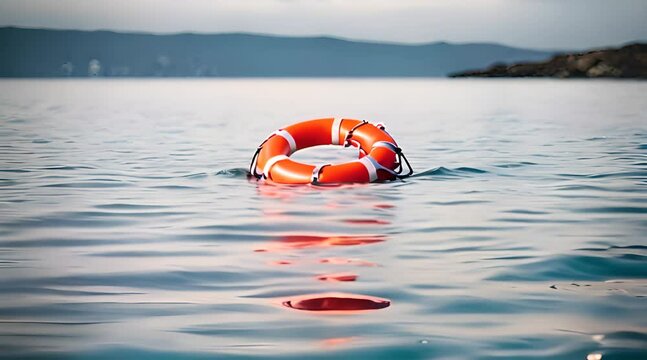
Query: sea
x,y
130,229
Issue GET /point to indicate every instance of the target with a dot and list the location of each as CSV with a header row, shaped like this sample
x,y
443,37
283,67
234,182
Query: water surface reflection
x,y
296,244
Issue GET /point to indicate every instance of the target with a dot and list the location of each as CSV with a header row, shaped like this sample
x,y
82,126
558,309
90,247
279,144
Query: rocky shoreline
x,y
629,61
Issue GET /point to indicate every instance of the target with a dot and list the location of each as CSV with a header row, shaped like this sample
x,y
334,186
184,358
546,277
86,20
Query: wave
x,y
457,172
463,171
577,267
233,173
515,164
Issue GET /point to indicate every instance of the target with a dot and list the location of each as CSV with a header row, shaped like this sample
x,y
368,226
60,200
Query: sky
x,y
537,24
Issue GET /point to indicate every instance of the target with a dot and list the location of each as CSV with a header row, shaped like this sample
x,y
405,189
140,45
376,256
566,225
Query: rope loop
x,y
316,172
398,170
252,165
347,142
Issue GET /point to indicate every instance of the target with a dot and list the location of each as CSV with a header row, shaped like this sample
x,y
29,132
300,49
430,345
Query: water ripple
x,y
120,242
443,171
577,267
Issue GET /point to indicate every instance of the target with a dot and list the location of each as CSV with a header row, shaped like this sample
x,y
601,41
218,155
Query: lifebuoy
x,y
380,158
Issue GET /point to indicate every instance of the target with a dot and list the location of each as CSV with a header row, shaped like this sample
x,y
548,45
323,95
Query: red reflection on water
x,y
367,221
337,277
269,189
383,206
333,205
281,262
292,242
336,302
332,342
347,261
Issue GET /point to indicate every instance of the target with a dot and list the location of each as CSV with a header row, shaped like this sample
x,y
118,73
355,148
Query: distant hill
x,y
626,62
59,53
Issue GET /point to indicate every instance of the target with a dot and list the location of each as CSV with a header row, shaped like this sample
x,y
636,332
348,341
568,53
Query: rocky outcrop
x,y
627,62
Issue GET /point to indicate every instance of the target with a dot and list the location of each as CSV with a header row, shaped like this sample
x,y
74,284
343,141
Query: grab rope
x,y
397,172
252,165
316,172
347,142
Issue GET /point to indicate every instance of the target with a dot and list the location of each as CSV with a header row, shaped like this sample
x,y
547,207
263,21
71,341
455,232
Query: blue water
x,y
128,228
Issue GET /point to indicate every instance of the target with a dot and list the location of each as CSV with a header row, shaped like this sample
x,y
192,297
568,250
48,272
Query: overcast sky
x,y
543,24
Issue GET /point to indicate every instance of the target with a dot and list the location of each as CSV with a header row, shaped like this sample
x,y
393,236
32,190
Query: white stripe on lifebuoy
x,y
316,171
367,161
288,137
334,131
386,145
270,163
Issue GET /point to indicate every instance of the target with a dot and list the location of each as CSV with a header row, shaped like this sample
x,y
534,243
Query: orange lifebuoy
x,y
380,157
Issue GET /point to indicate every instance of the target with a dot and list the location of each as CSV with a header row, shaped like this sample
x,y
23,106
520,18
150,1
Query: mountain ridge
x,y
26,52
270,35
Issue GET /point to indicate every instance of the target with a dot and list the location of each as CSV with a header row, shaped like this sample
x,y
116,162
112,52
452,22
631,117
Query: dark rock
x,y
627,62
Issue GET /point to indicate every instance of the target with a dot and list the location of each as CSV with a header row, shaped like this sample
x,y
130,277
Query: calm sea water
x,y
129,229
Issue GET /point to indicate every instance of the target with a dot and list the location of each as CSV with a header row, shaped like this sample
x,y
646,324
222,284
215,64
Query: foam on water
x,y
129,227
